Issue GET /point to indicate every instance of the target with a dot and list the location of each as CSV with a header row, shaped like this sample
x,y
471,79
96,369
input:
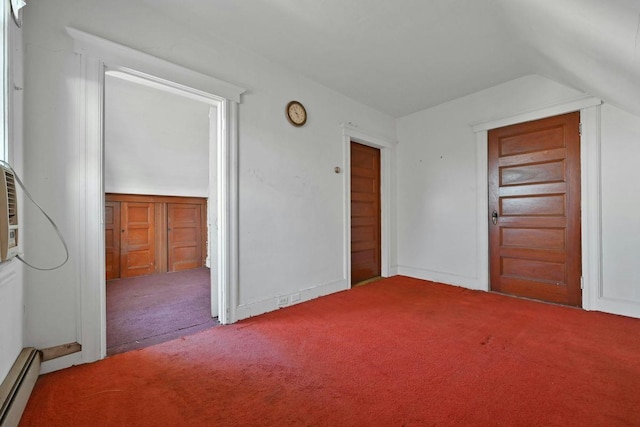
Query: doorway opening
x,y
96,56
159,177
383,153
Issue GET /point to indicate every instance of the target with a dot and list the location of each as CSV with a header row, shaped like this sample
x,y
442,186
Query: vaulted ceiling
x,y
403,56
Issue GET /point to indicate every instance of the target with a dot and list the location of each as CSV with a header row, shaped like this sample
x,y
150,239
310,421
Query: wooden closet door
x,y
365,213
534,209
112,239
185,236
137,252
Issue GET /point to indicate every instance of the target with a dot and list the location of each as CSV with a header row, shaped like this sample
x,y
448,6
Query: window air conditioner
x,y
8,215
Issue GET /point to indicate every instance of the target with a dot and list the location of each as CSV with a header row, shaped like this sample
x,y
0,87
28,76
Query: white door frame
x,y
215,117
589,108
387,172
96,56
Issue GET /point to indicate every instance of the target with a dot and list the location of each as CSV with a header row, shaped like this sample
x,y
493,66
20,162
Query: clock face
x,y
296,113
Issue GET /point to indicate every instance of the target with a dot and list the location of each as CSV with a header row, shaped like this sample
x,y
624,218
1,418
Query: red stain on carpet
x,y
397,352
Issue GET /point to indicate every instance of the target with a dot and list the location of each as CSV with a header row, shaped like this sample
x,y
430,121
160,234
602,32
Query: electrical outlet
x,y
295,297
282,301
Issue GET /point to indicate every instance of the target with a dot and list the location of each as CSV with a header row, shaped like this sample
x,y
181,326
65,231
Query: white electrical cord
x,y
55,227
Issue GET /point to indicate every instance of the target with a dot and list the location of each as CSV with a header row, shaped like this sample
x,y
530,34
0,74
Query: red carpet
x,y
398,352
148,310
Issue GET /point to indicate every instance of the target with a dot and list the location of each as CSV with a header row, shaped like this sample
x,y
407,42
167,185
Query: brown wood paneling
x,y
112,239
143,198
137,245
534,187
365,213
149,254
185,236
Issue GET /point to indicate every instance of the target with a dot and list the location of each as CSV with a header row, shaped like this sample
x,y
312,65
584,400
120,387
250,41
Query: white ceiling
x,y
402,56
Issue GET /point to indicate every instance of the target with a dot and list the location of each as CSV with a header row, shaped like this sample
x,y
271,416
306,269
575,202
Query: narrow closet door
x,y
137,253
185,236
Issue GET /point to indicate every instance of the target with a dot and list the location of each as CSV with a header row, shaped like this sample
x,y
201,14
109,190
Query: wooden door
x,y
137,244
365,213
185,239
112,239
534,209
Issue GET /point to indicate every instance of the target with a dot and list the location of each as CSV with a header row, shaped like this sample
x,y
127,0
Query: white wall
x,y
291,201
11,315
11,272
437,189
156,142
437,205
620,205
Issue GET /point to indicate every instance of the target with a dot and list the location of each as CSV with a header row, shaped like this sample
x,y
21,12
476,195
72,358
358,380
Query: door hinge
x,y
580,128
581,282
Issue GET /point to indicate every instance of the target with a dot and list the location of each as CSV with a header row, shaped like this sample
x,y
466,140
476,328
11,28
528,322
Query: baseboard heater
x,y
17,387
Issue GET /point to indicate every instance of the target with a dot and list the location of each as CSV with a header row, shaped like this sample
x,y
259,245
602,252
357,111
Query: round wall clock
x,y
296,113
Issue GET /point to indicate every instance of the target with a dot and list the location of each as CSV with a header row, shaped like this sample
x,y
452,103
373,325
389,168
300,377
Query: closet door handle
x,y
494,217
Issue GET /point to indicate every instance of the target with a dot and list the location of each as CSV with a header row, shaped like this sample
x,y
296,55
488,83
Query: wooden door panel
x,y
532,141
533,174
185,236
137,252
137,261
182,235
363,185
365,213
543,271
186,253
535,238
112,239
534,188
138,236
538,205
365,209
364,233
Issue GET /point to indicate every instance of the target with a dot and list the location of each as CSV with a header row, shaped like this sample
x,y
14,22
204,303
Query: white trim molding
x,y
228,215
439,277
594,297
591,217
163,71
589,108
96,57
387,174
575,104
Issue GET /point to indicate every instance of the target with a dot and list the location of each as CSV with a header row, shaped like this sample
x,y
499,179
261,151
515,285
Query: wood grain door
x,y
137,243
184,236
534,210
112,239
365,213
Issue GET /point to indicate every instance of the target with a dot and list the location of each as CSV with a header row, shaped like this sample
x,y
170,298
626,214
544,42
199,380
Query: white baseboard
x,y
16,388
441,277
244,311
62,363
621,307
606,305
